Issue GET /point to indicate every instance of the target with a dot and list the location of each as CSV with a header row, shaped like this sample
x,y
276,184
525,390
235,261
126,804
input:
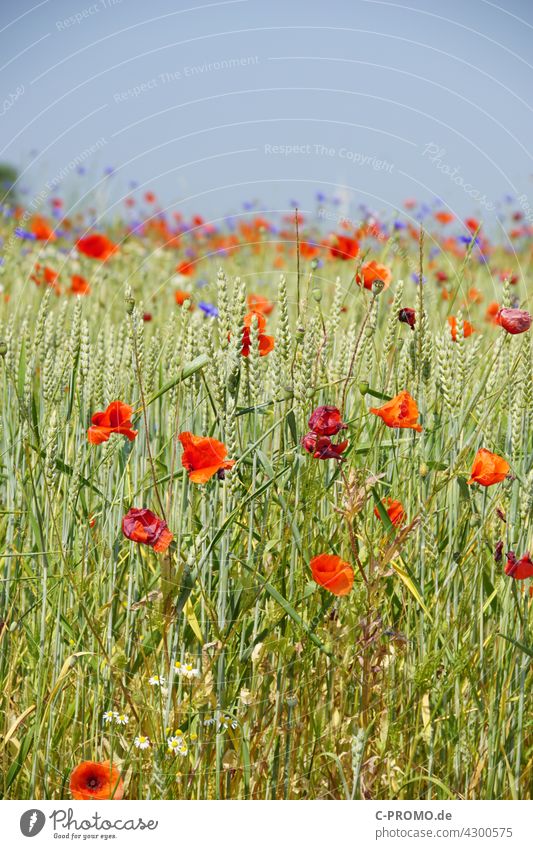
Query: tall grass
x,y
416,685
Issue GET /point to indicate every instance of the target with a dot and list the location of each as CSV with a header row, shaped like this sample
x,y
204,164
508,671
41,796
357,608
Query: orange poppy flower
x,y
467,328
47,276
401,411
96,246
141,525
492,311
79,285
344,247
309,250
266,343
115,419
371,271
203,457
394,509
332,573
180,296
90,780
41,229
185,268
488,468
257,303
444,217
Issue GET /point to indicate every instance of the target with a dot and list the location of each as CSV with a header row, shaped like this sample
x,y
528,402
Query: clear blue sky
x,y
211,104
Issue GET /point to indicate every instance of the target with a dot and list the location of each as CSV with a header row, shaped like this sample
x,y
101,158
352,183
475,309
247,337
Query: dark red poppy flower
x,y
141,525
96,246
519,569
514,321
498,551
115,419
322,448
326,421
408,316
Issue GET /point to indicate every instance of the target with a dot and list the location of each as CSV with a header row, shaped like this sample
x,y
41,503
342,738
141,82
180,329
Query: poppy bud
x,y
300,333
498,551
3,348
378,286
317,294
514,321
408,316
364,386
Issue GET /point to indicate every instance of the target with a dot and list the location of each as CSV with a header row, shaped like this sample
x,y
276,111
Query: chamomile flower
x,y
109,716
156,680
178,667
177,745
122,718
189,671
142,742
225,722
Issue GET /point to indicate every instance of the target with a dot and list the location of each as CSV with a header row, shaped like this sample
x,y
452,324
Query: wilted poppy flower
x,y
332,573
90,780
322,448
401,411
371,271
97,246
514,321
467,328
408,316
116,419
141,525
79,285
519,569
326,421
256,303
488,468
203,457
394,509
266,343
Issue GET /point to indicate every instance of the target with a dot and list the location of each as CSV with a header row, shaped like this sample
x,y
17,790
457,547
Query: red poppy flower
x,y
441,276
141,525
492,312
371,271
115,419
90,780
401,411
514,321
519,569
472,224
326,421
79,285
96,246
332,573
47,276
467,328
322,448
266,343
488,468
256,303
395,511
203,457
408,316
344,247
149,197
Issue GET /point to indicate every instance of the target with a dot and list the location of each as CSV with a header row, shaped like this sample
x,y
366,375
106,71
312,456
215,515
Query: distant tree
x,y
8,178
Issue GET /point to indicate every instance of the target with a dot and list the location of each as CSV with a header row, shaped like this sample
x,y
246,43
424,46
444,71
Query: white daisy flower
x,y
142,742
177,745
109,716
122,718
177,667
156,680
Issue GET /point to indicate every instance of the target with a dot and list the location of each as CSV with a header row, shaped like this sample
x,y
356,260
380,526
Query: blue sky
x,y
211,104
